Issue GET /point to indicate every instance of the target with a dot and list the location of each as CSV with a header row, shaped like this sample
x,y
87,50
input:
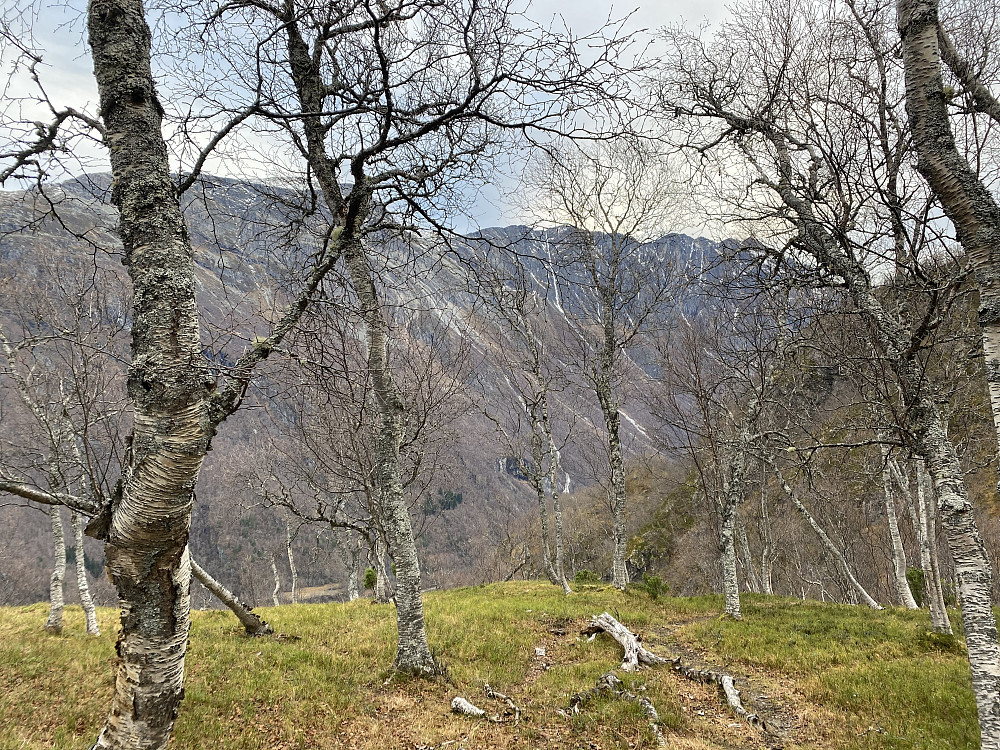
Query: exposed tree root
x,y
635,655
608,684
462,706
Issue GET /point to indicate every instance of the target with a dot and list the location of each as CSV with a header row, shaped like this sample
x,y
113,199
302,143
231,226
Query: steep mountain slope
x,y
251,242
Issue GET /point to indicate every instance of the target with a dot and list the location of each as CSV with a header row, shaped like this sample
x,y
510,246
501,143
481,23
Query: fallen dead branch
x,y
636,654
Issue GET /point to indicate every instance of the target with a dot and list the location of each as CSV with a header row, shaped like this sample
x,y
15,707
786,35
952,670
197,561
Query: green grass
x,y
855,678
900,685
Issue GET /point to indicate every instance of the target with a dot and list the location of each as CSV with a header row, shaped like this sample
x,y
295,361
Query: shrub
x,y
371,578
915,578
585,577
655,586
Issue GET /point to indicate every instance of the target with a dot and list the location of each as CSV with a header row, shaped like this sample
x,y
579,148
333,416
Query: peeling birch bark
x,y
54,623
86,600
832,548
252,623
146,547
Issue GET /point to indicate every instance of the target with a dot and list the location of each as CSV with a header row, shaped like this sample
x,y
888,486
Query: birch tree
x,y
768,119
614,198
404,99
176,408
962,187
828,543
514,309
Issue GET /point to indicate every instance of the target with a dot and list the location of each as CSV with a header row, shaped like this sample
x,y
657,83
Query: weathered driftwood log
x,y
253,623
607,683
635,654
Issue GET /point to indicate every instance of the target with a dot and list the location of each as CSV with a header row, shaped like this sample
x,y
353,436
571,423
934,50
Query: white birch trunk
x,y
350,556
971,207
727,558
412,654
918,25
381,593
86,601
556,501
277,582
766,560
940,621
537,477
54,622
752,581
616,492
291,561
353,591
252,623
903,592
827,542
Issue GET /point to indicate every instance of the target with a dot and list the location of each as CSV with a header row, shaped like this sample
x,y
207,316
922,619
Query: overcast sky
x,y
58,30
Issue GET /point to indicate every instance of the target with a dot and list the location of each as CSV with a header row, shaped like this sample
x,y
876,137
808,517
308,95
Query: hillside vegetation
x,y
826,676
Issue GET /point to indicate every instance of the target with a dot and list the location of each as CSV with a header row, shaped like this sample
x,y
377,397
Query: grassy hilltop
x,y
831,676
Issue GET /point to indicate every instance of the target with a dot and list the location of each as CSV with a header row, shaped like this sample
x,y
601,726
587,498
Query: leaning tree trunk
x,y
146,547
827,542
903,592
412,652
86,600
971,207
54,622
252,623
